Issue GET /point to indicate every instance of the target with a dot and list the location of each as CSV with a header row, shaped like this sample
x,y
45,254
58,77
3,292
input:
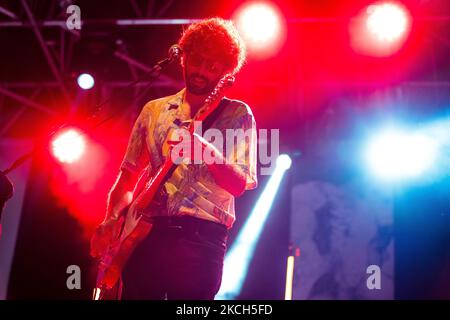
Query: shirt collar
x,y
178,98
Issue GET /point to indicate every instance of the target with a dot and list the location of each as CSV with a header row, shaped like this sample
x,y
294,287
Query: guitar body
x,y
135,230
134,226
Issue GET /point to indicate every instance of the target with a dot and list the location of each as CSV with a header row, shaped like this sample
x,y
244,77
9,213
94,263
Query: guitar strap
x,y
209,121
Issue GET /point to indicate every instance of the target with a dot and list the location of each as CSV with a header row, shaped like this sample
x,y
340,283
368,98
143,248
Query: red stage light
x,y
68,146
387,21
261,26
381,29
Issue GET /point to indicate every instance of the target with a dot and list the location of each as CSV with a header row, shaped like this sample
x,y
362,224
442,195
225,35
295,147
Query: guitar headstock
x,y
224,83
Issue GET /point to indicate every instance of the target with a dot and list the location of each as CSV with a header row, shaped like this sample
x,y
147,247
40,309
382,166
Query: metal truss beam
x,y
133,62
45,50
118,22
8,13
181,21
25,101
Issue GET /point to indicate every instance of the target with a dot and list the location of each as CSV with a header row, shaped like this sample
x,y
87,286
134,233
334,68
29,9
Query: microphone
x,y
175,52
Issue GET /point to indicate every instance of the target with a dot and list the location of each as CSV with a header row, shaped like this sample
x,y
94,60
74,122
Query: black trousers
x,y
181,259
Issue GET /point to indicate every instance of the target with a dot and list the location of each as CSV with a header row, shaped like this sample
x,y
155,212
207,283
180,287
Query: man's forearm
x,y
118,198
117,201
226,175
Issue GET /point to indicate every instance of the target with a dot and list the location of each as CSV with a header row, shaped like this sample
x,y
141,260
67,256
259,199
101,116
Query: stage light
x,y
284,161
259,23
396,154
68,146
380,29
289,278
387,21
240,254
261,26
85,81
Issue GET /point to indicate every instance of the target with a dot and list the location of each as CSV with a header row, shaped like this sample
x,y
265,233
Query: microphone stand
x,y
6,186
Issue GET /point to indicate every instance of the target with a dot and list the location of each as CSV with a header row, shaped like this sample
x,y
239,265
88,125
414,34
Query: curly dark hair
x,y
219,38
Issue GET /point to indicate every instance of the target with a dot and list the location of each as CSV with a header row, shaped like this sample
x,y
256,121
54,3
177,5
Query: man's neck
x,y
195,102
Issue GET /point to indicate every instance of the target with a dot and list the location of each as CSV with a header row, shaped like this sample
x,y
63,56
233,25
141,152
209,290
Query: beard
x,y
199,85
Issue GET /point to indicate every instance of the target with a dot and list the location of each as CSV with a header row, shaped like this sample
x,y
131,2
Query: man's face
x,y
202,73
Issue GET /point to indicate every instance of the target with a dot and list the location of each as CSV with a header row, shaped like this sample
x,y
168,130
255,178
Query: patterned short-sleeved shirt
x,y
191,190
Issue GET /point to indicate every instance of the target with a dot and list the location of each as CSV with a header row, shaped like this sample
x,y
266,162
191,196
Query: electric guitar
x,y
134,225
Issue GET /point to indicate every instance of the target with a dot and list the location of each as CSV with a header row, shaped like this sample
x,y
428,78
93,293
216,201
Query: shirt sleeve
x,y
137,154
244,146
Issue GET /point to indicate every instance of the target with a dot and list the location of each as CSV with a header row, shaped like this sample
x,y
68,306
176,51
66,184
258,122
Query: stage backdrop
x,y
342,230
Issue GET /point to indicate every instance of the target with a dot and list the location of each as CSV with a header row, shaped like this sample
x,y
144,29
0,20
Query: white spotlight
x,y
284,161
395,154
85,81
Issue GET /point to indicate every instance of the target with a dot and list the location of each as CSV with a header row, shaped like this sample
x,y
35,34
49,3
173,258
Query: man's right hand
x,y
103,236
119,198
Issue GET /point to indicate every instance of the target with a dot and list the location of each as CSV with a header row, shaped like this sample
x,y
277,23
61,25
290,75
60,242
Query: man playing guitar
x,y
182,256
